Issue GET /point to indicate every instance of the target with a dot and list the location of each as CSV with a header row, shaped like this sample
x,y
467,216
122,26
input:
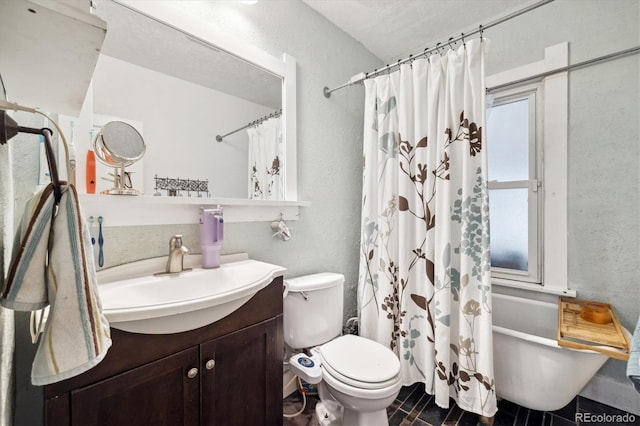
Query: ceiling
x,y
393,29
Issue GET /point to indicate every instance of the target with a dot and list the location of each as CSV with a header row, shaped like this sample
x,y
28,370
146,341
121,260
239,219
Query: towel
x,y
52,265
633,364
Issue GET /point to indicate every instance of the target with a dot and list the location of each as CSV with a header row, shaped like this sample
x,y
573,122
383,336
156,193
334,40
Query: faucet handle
x,y
175,241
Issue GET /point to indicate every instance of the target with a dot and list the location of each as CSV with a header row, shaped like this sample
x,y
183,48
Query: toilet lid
x,y
360,359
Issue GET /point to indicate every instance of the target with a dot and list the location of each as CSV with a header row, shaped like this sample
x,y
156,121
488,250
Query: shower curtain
x,y
265,160
7,335
424,281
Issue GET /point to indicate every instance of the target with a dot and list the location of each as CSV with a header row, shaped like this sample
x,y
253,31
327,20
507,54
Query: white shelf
x,y
123,210
48,52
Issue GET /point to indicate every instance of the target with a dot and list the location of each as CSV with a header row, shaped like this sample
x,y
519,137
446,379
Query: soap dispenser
x,y
211,236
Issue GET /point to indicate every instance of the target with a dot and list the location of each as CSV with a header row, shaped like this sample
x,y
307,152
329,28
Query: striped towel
x,y
53,266
633,364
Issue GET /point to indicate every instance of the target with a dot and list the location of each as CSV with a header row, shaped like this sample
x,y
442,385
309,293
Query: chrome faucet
x,y
176,255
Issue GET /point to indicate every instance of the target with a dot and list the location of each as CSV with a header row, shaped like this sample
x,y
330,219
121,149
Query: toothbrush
x,y
91,222
100,243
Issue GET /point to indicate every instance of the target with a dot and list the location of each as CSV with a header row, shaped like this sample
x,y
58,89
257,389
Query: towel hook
x,y
281,229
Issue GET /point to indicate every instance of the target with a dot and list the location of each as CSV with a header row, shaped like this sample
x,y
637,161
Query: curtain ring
x,y
388,70
462,37
481,30
438,47
449,43
426,56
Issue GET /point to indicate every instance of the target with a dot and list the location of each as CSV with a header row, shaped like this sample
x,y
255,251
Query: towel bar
x,y
9,128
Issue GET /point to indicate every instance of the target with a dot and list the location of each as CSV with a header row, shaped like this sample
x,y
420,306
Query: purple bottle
x,y
211,236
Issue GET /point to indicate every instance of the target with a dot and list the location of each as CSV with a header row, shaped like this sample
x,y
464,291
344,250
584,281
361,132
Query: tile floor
x,y
414,407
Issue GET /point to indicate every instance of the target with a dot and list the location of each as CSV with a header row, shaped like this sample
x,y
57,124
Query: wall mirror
x,y
186,83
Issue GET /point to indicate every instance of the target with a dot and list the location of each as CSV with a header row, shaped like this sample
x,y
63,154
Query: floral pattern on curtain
x,y
266,152
424,282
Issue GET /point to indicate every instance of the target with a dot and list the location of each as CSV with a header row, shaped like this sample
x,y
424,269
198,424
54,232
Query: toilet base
x,y
330,413
372,412
359,418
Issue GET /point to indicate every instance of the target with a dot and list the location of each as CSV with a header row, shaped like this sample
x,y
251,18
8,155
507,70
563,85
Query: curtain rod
x,y
359,78
274,114
582,64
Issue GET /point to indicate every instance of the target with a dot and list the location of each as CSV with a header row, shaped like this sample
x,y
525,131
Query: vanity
x,y
225,373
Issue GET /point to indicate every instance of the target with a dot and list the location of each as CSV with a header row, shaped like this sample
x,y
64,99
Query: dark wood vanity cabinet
x,y
226,373
242,384
157,393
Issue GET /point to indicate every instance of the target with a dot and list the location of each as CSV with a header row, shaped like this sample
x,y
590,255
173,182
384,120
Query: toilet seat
x,y
362,393
327,369
360,363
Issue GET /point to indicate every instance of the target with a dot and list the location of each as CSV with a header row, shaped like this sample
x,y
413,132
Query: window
x,y
514,173
527,128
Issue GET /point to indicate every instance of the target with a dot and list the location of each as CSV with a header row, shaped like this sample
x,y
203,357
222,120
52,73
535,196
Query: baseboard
x,y
606,390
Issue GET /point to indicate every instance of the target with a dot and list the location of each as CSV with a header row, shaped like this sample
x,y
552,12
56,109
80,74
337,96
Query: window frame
x,y
553,77
532,93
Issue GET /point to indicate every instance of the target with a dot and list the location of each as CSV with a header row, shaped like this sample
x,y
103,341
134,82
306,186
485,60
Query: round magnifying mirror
x,y
119,145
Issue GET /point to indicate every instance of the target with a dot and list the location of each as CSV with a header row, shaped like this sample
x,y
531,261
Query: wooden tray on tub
x,y
576,332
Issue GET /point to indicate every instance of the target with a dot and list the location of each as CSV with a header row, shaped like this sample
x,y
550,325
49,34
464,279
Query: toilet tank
x,y
313,309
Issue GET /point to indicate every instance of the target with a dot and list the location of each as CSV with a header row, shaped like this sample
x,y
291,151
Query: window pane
x,y
508,141
509,228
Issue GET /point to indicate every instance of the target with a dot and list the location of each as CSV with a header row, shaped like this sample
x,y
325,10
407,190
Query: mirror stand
x,y
119,145
121,183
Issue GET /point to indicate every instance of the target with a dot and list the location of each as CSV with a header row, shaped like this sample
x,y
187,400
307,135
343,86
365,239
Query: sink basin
x,y
135,300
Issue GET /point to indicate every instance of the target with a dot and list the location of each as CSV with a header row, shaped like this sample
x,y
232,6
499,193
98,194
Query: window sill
x,y
533,287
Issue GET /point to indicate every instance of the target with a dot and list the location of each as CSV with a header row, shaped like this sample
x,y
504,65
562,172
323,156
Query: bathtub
x,y
530,368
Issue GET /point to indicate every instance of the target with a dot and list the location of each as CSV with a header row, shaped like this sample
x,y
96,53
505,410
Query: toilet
x,y
357,378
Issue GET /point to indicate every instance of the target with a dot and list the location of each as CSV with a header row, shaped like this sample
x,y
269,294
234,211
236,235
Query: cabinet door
x,y
242,377
164,392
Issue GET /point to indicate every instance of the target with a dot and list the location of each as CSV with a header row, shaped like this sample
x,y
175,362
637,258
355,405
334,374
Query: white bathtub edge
x,y
611,392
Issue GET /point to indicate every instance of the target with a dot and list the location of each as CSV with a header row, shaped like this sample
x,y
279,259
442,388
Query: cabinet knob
x,y
210,364
192,373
